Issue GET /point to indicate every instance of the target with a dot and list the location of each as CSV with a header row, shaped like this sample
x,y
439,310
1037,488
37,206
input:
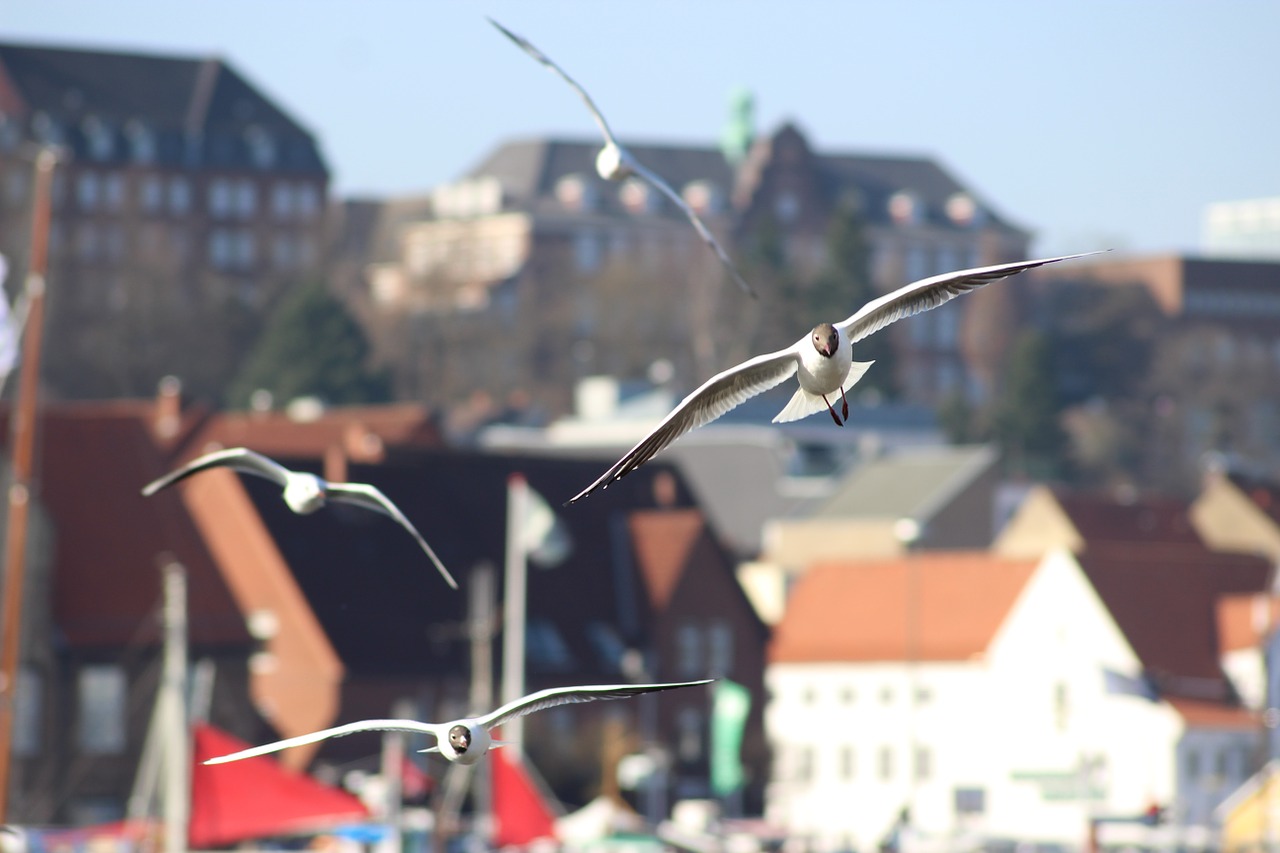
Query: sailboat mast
x,y
24,428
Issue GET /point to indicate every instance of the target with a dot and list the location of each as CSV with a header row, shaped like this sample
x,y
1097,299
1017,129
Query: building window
x,y
113,191
220,249
284,254
587,255
307,201
915,262
847,763
99,138
804,764
885,763
924,763
688,650
87,242
1061,705
886,695
970,801
246,198
848,695
26,715
151,193
690,738
179,195
637,196
220,199
1191,764
88,190
101,723
282,200
262,147
719,649
142,142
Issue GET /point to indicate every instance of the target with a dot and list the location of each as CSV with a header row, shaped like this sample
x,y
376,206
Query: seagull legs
x,y
844,405
832,410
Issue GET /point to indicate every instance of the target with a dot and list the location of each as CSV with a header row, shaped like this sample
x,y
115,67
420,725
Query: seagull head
x,y
610,163
304,492
460,738
826,340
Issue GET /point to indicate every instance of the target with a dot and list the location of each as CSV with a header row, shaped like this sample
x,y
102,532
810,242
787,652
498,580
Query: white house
x,y
961,696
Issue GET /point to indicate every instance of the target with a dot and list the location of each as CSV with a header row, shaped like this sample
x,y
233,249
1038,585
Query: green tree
x,y
312,346
844,286
1027,415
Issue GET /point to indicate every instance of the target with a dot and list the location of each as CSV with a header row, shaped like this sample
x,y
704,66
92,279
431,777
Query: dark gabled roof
x,y
529,169
1264,492
201,112
1165,601
1154,519
387,612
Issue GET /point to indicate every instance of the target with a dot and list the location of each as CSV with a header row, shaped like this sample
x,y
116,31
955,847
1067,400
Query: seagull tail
x,y
803,404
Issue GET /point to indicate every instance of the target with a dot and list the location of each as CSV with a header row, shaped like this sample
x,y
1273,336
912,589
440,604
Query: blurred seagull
x,y
467,740
303,492
823,361
614,162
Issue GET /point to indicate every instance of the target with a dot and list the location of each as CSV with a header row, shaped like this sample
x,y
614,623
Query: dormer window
x,y
786,207
142,142
905,208
99,138
704,197
638,197
46,129
576,193
262,147
964,211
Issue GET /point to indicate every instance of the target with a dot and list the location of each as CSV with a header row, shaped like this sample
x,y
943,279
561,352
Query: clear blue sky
x,y
1095,123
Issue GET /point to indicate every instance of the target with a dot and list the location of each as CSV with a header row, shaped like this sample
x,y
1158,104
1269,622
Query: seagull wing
x,y
568,695
930,293
336,731
528,48
371,497
239,458
703,231
718,395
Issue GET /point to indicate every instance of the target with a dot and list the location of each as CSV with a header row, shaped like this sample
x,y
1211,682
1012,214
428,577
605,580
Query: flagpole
x,y
24,426
514,595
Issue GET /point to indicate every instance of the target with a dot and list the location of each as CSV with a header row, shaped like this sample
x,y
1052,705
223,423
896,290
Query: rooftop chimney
x,y
168,407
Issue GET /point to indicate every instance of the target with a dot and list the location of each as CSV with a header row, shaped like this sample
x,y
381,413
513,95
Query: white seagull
x,y
467,740
303,492
614,162
823,361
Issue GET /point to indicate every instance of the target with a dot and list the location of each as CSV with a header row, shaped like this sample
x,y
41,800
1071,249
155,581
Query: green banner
x,y
729,708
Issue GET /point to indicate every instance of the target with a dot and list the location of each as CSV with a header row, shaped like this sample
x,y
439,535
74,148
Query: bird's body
x,y
614,162
304,492
822,363
466,741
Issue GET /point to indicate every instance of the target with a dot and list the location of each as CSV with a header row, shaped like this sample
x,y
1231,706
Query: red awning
x,y
256,797
520,813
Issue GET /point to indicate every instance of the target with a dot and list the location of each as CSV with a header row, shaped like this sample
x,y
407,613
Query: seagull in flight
x,y
822,361
614,162
467,740
303,492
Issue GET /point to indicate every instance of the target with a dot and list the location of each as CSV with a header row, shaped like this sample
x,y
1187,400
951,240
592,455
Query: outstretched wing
x,y
568,695
718,395
337,731
239,458
703,231
528,48
930,293
371,497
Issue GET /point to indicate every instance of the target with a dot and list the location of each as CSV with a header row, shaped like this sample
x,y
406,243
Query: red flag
x,y
256,797
521,815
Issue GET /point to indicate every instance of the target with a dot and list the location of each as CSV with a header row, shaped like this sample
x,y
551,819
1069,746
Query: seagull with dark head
x,y
304,492
615,162
822,362
466,741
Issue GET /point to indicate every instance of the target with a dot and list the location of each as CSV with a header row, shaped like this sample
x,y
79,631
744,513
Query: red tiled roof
x,y
858,610
110,541
365,432
1245,621
663,540
1215,715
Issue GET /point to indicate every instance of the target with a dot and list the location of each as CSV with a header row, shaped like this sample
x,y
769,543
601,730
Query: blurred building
x,y
579,276
1248,229
338,616
1213,366
185,200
